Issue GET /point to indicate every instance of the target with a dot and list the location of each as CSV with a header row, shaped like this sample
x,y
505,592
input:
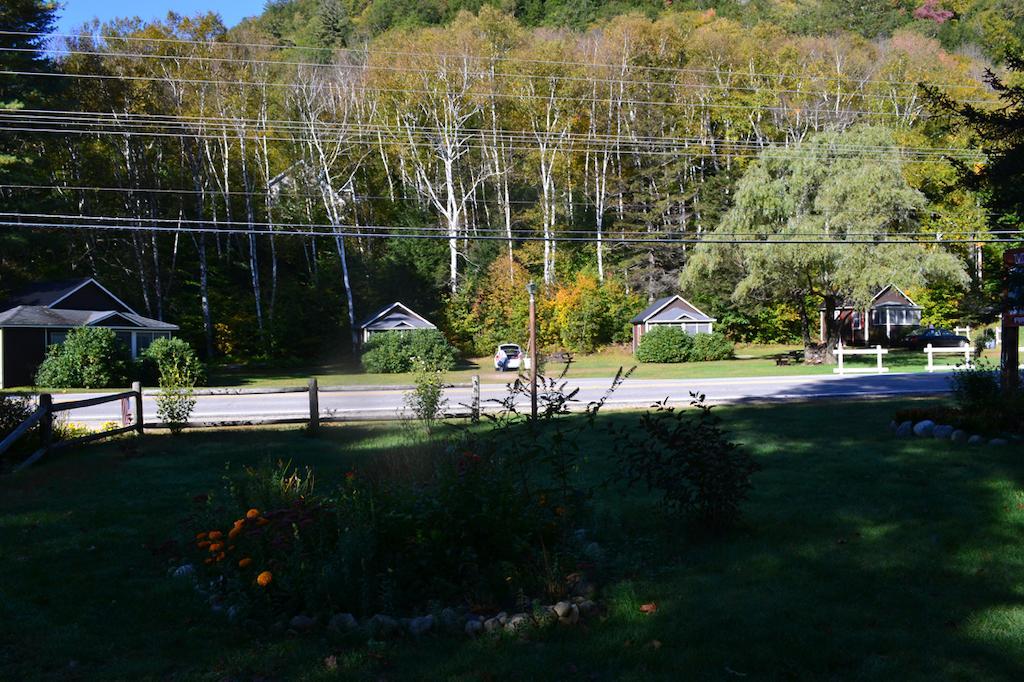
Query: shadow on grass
x,y
861,557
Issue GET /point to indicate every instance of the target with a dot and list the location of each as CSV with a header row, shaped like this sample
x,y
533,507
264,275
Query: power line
x,y
475,138
485,73
322,229
231,123
825,110
377,50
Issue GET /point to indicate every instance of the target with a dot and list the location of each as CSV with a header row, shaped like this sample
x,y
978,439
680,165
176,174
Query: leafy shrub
x,y
664,344
982,402
687,457
426,401
710,347
13,411
164,354
395,352
981,339
176,399
90,357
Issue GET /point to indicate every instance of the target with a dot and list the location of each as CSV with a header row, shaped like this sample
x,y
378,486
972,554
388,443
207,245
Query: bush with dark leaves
x,y
687,457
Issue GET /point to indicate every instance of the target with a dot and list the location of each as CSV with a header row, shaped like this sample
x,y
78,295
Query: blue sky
x,y
75,12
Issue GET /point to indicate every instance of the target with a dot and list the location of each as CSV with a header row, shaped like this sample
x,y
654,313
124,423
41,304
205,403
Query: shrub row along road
x,y
387,402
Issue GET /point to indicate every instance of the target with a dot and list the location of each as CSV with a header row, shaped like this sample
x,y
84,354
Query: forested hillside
x,y
266,187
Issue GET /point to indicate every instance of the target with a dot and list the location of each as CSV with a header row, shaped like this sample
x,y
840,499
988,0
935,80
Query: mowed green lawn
x,y
750,361
861,557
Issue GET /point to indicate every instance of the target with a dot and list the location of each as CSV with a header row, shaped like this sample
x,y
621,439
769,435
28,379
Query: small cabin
x,y
41,315
889,316
394,317
671,311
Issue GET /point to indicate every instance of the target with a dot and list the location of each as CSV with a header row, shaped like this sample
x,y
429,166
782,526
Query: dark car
x,y
938,338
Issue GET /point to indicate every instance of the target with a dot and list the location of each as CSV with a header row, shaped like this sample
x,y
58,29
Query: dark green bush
x,y
13,411
982,402
171,356
90,357
664,344
687,457
710,347
395,352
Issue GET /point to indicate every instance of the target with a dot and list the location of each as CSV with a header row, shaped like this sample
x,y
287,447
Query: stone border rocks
x,y
926,428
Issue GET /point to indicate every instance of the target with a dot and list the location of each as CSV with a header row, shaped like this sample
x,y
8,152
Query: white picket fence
x,y
964,349
842,351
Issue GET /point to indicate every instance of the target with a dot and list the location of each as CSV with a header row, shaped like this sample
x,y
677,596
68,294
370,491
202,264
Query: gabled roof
x,y
396,316
890,291
894,295
693,313
50,294
41,316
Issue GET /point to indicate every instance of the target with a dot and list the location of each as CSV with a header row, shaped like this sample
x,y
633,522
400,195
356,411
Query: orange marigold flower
x,y
200,536
220,557
203,544
216,535
252,513
234,532
245,563
264,578
209,560
216,547
262,522
239,522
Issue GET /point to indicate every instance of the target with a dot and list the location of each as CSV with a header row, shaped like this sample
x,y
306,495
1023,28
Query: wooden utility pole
x,y
1013,319
532,289
314,406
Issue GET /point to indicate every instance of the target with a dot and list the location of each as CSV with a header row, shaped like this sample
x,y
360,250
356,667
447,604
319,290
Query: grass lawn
x,y
861,557
750,361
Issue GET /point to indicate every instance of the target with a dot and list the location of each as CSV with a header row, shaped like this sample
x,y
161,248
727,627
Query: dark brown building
x,y
40,315
889,317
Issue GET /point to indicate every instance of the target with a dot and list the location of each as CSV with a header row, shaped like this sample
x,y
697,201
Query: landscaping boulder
x,y
975,440
381,626
943,432
959,436
998,441
421,626
562,609
342,623
474,627
924,428
588,609
517,622
449,618
905,430
572,617
492,625
302,623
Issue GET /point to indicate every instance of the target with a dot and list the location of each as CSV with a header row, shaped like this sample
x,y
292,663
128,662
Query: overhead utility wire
x,y
173,223
471,237
487,73
375,50
503,95
221,123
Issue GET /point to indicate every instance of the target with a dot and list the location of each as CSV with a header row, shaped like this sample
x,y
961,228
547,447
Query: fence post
x,y
139,419
878,350
46,423
967,354
475,409
928,352
839,354
314,406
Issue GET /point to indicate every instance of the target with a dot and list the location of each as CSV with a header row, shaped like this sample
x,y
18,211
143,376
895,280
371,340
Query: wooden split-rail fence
x,y
45,413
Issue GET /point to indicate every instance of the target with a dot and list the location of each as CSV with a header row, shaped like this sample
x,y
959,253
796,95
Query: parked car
x,y
510,356
938,338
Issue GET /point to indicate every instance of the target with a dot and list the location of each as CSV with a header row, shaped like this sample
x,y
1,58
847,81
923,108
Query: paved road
x,y
385,403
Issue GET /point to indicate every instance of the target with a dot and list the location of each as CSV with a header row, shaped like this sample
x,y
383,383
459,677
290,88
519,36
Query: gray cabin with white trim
x,y
671,311
394,317
40,315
